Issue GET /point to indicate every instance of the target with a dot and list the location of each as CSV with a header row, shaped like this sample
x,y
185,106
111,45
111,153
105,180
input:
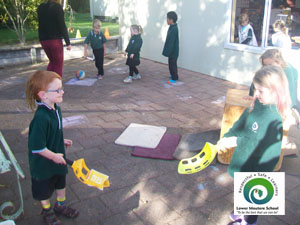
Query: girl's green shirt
x,y
259,136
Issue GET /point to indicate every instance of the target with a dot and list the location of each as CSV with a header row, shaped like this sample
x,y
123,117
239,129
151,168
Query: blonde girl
x,y
133,53
280,38
46,145
274,57
257,134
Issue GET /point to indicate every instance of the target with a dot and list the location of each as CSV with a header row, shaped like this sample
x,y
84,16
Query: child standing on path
x,y
97,40
133,53
257,134
46,145
171,48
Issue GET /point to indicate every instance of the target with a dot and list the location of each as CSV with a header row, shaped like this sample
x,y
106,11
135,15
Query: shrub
x,y
82,6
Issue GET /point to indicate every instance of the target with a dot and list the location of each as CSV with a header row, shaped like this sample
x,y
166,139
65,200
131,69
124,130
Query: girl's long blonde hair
x,y
273,78
39,81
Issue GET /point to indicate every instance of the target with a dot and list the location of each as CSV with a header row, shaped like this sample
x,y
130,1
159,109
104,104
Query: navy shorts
x,y
43,189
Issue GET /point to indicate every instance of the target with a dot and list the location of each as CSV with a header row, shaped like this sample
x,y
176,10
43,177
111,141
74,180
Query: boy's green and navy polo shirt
x,y
45,132
171,48
96,40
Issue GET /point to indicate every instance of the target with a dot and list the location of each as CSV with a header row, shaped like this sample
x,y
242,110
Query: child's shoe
x,y
128,79
171,81
137,77
66,211
241,222
50,218
235,217
99,77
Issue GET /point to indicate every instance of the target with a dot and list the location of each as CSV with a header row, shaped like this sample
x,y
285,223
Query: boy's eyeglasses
x,y
57,90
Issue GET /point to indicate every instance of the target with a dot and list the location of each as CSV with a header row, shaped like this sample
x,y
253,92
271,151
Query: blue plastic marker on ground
x,y
214,168
200,187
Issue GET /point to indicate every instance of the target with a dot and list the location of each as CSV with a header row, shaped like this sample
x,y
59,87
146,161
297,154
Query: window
x,y
251,23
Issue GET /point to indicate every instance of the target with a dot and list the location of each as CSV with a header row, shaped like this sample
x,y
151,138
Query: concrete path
x,y
143,191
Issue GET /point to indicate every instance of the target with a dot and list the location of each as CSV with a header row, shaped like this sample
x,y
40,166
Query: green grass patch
x,y
82,22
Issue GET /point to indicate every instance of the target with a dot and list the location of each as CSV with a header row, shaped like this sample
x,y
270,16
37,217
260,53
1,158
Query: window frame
x,y
230,25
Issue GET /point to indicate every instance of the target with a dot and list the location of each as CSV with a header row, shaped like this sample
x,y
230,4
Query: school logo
x,y
259,193
254,126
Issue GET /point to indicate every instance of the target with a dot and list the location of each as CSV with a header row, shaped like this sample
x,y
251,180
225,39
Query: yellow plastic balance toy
x,y
91,177
199,161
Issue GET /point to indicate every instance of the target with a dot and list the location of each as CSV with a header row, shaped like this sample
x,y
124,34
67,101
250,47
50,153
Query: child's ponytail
x,y
280,25
138,28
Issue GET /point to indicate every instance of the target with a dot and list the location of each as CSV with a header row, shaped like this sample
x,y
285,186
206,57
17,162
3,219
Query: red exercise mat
x,y
164,150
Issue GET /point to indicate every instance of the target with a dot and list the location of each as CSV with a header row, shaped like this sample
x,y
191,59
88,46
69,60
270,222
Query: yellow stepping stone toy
x,y
91,177
199,161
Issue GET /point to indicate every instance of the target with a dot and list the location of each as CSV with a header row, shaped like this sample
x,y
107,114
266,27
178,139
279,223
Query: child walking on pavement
x,y
97,40
257,134
46,145
133,53
171,48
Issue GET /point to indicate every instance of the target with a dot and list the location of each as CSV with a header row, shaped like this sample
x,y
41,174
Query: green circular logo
x,y
258,191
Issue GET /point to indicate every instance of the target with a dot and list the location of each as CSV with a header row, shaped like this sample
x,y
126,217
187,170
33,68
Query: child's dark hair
x,y
172,16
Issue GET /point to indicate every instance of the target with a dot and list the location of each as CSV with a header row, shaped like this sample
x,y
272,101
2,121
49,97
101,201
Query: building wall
x,y
104,8
203,30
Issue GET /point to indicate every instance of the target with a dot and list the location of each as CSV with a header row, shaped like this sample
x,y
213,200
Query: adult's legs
x,y
173,68
55,52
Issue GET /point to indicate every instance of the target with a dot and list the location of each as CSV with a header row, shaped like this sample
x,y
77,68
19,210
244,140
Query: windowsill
x,y
255,50
245,48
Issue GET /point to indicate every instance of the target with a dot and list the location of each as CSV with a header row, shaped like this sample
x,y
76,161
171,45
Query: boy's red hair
x,y
37,82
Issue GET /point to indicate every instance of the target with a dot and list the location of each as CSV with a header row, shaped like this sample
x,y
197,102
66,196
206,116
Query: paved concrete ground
x,y
143,191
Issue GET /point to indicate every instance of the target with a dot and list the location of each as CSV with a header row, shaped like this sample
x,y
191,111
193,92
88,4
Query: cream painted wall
x,y
104,8
202,32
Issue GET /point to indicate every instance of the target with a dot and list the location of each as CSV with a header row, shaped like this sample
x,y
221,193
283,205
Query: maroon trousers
x,y
55,51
